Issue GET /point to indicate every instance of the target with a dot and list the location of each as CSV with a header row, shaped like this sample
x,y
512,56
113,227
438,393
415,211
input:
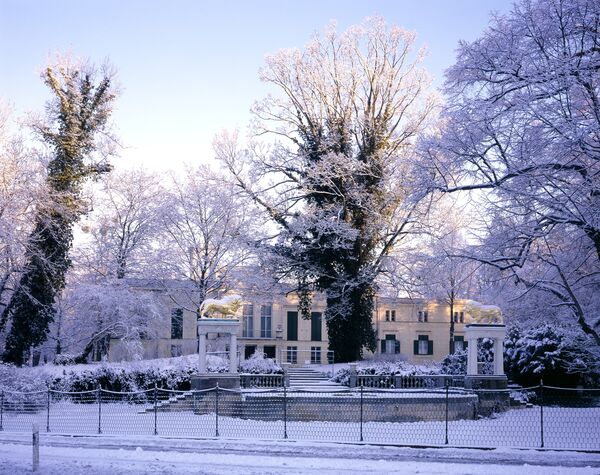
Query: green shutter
x,y
397,347
292,326
315,326
177,323
383,346
416,347
430,347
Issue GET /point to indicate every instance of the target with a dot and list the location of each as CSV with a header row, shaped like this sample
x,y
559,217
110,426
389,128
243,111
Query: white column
x,y
498,357
233,354
202,353
472,369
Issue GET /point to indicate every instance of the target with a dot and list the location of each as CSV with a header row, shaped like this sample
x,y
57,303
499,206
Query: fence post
x,y
217,410
1,408
36,447
446,441
285,435
48,411
361,412
542,412
155,410
99,409
353,374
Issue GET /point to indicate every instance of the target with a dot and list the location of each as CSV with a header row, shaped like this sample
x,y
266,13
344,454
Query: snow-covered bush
x,y
553,354
168,373
386,368
22,387
65,359
456,363
258,364
23,380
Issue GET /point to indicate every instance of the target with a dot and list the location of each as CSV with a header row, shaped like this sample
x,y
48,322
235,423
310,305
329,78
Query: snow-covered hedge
x,y
168,373
386,368
258,364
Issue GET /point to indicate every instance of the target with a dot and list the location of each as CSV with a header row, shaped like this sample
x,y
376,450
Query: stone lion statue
x,y
484,313
227,307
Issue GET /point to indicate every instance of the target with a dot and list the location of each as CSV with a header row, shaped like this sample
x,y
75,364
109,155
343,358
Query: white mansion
x,y
417,330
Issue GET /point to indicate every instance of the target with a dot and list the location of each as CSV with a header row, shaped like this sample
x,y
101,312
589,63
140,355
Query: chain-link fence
x,y
539,416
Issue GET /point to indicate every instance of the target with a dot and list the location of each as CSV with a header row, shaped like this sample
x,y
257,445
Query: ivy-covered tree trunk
x,y
77,114
351,330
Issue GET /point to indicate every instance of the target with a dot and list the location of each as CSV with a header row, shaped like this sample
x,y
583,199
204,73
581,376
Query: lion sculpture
x,y
227,307
483,313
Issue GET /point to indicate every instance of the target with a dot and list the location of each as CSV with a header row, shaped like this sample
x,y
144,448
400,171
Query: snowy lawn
x,y
568,428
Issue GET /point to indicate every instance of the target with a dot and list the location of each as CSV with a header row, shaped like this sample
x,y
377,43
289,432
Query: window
x,y
390,345
265,321
269,352
249,350
459,343
292,354
175,351
292,326
390,315
177,323
423,346
423,315
315,326
315,355
248,321
459,317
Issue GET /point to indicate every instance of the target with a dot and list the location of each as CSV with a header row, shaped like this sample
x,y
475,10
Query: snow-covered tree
x,y
207,239
93,313
21,189
333,171
73,129
522,131
123,227
440,268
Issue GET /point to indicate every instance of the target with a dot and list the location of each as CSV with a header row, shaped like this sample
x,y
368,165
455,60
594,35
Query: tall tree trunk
x,y
350,323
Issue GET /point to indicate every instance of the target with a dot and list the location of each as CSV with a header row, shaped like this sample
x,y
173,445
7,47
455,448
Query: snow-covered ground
x,y
151,455
564,428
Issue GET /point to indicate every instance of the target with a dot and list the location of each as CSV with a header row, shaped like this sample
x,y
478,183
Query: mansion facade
x,y
415,330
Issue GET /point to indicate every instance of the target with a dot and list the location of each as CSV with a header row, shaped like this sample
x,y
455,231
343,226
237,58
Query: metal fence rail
x,y
558,418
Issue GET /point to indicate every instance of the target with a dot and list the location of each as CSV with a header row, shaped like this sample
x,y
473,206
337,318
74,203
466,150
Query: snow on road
x,y
152,455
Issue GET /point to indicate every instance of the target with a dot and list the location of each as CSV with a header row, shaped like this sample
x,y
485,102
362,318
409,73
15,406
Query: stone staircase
x,y
308,379
517,398
301,378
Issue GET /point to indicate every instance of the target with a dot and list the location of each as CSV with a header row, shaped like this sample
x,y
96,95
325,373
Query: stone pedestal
x,y
205,380
490,388
477,331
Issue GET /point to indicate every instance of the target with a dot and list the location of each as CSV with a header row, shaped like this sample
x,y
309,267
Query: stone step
x,y
307,377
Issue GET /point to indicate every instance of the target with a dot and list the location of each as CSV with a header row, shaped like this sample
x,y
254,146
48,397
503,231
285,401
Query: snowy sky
x,y
189,69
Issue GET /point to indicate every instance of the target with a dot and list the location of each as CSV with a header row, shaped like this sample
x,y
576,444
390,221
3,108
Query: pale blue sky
x,y
188,69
